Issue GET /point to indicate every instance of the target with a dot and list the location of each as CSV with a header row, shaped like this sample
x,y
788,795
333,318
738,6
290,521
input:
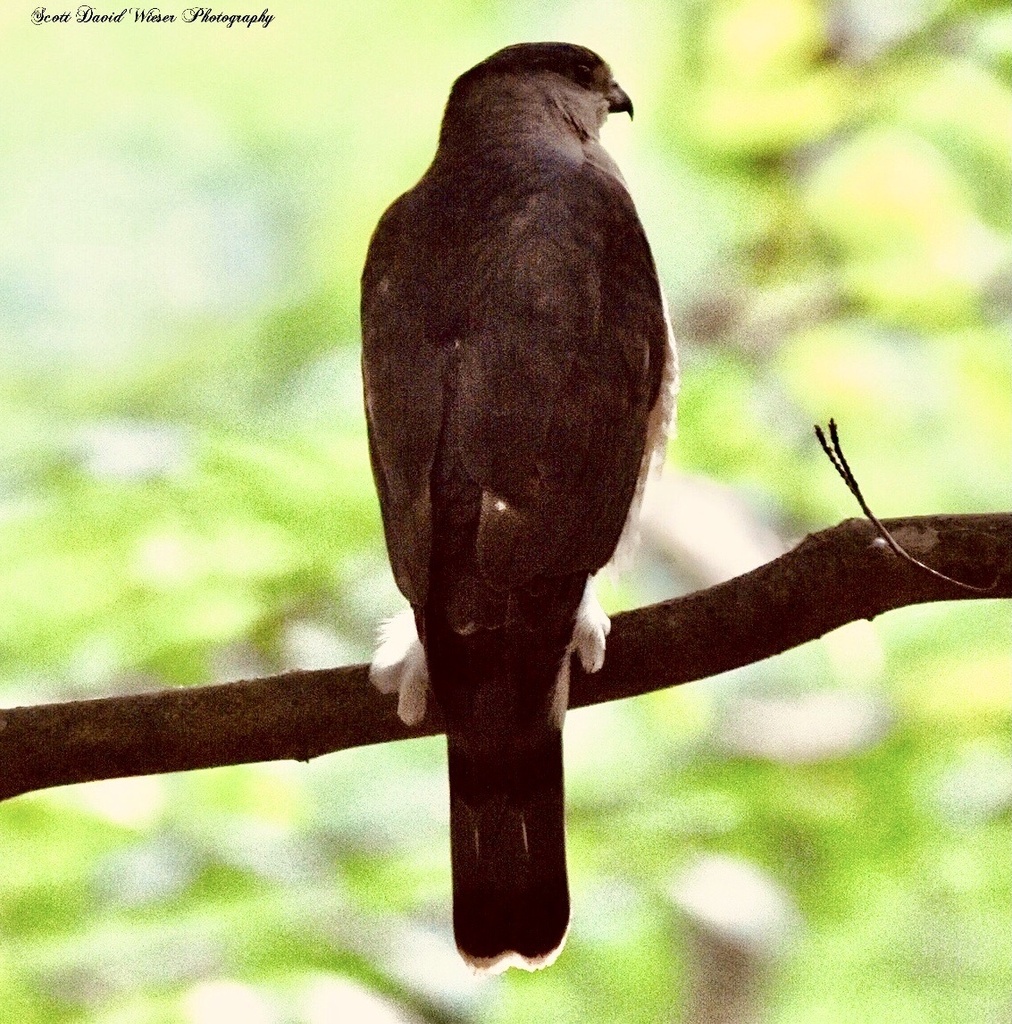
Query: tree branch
x,y
831,578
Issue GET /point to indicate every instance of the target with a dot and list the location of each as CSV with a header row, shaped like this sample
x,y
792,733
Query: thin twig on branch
x,y
831,578
834,452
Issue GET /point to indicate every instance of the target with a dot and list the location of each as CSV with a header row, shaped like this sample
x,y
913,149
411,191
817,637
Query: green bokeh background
x,y
185,497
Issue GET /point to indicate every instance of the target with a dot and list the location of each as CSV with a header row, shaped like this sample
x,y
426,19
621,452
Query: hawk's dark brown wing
x,y
403,376
540,333
557,378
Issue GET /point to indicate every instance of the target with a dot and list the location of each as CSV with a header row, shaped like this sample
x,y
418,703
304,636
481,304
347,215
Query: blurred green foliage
x,y
185,497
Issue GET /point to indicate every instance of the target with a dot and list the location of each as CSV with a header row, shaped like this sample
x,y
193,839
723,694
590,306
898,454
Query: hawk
x,y
519,378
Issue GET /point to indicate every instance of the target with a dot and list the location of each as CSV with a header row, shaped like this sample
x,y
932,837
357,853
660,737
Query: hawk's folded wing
x,y
540,350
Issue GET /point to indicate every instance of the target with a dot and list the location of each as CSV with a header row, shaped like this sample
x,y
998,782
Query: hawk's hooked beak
x,y
618,101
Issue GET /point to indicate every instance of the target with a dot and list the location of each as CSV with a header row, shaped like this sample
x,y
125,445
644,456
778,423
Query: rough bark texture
x,y
831,578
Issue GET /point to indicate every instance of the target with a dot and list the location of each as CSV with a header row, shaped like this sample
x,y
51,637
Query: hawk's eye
x,y
583,74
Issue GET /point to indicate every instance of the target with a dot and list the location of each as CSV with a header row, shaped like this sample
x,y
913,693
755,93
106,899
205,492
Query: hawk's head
x,y
572,76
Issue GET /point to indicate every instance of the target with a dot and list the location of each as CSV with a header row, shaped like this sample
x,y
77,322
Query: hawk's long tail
x,y
508,849
503,689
